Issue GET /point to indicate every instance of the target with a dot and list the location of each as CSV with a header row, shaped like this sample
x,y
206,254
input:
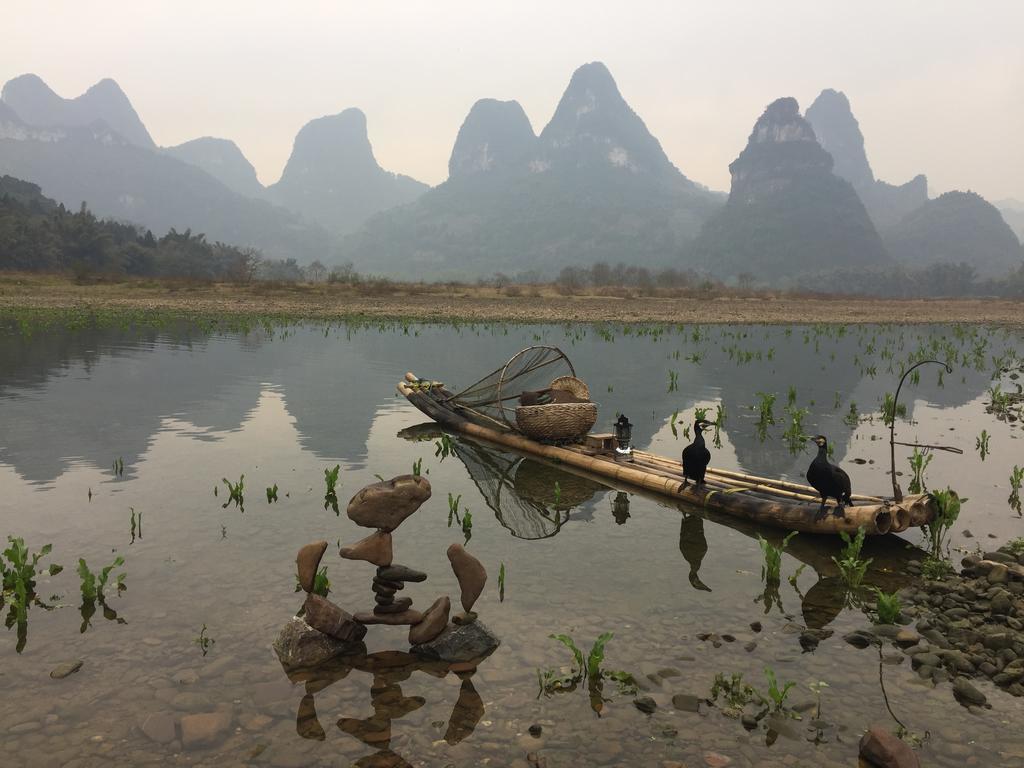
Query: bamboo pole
x,y
799,516
756,479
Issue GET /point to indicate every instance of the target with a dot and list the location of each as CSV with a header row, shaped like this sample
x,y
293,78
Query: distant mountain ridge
x,y
128,181
333,177
222,159
36,104
957,227
787,213
496,136
594,185
839,133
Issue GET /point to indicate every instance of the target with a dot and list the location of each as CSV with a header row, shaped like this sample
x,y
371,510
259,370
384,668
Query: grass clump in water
x,y
331,494
236,493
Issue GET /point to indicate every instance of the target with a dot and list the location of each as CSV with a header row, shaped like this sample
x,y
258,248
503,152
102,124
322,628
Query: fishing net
x,y
494,473
496,395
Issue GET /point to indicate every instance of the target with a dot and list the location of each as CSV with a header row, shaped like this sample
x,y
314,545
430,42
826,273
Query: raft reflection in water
x,y
535,500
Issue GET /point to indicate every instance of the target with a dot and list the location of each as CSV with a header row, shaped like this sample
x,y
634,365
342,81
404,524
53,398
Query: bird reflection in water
x,y
693,545
388,670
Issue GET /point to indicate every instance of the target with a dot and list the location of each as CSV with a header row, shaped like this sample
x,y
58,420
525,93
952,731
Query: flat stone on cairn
x,y
375,548
387,504
471,574
396,606
400,573
408,616
308,560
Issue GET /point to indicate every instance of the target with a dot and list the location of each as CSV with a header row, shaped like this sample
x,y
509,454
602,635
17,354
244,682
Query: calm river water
x,y
181,409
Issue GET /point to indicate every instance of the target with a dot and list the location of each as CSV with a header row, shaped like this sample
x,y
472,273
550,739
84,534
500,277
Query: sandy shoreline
x,y
489,305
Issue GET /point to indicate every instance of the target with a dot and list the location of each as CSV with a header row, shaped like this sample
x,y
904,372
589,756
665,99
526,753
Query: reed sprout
x,y
331,492
1016,480
236,493
919,462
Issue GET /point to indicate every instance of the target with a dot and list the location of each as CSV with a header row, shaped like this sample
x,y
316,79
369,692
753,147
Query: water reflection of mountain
x,y
96,394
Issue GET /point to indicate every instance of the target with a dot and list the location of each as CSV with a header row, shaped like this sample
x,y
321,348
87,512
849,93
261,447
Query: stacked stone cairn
x,y
384,506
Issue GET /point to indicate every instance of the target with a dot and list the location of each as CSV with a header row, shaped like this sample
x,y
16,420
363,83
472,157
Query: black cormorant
x,y
696,456
828,479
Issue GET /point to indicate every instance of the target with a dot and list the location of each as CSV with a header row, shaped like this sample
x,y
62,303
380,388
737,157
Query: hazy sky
x,y
938,86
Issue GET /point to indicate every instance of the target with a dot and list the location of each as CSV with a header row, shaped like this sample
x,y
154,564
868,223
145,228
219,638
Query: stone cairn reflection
x,y
384,506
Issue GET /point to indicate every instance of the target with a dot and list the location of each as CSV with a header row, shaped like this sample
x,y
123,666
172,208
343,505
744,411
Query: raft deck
x,y
772,502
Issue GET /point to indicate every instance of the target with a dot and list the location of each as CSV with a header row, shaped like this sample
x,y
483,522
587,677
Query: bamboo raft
x,y
772,502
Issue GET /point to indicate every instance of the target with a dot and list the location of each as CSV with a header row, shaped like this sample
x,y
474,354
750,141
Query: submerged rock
x,y
203,729
967,693
159,727
463,642
299,645
881,749
67,668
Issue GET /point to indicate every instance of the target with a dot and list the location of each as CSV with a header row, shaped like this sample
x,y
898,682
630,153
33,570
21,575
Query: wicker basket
x,y
557,421
572,385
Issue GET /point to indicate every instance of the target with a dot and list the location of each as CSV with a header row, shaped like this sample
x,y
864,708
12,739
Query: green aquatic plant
x,y
272,494
891,411
331,491
1016,546
700,414
936,568
672,421
203,640
136,525
947,505
118,467
852,418
735,693
777,696
919,462
587,669
887,607
852,567
794,435
417,467
444,447
17,567
501,583
236,493
467,525
453,508
557,494
981,443
791,396
1016,480
94,584
772,566
673,381
765,415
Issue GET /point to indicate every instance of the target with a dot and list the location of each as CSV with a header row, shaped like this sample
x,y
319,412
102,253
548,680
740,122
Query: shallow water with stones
x,y
184,408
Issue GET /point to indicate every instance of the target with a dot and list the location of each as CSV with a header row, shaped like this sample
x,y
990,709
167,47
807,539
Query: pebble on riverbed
x,y
67,668
969,625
